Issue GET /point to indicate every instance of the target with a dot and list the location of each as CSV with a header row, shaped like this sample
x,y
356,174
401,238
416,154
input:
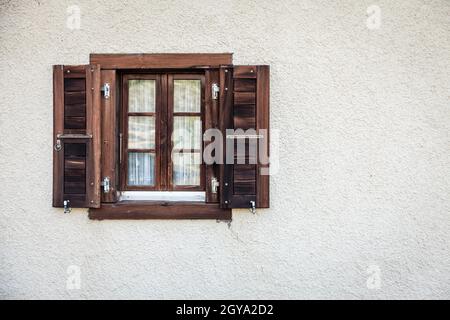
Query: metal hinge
x,y
215,91
106,90
105,184
214,185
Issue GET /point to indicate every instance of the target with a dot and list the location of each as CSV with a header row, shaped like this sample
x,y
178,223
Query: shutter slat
x,y
244,98
74,97
245,85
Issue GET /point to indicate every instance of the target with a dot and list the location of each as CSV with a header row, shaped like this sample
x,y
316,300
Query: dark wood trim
x,y
211,122
262,122
93,127
141,114
158,60
226,122
160,210
164,135
109,136
58,128
186,114
141,150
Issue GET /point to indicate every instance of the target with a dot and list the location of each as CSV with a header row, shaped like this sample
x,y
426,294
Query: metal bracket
x,y
214,185
253,207
215,91
105,184
106,90
67,208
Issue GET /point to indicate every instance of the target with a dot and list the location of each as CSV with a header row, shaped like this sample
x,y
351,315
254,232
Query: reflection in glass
x,y
187,132
186,169
186,95
141,132
141,95
141,169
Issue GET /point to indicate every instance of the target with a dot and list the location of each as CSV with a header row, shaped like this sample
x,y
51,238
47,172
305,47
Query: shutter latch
x,y
106,90
58,145
105,185
215,91
252,207
214,185
67,208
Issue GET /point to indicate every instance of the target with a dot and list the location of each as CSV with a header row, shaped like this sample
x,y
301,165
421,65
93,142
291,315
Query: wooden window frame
x,y
170,116
125,114
118,61
180,63
163,114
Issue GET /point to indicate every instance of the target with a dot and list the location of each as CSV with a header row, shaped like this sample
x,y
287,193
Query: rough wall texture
x,y
362,193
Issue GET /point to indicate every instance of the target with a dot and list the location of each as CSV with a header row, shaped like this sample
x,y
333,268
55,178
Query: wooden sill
x,y
135,210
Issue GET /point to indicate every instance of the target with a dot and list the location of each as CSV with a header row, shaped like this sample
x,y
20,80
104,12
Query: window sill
x,y
135,210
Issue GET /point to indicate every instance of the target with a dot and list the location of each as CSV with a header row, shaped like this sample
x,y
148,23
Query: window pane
x,y
187,132
186,169
141,169
141,132
141,95
186,95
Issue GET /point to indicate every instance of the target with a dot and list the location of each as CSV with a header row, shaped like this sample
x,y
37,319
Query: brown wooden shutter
x,y
244,104
76,121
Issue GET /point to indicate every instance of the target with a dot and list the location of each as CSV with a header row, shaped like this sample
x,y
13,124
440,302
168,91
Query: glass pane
x,y
187,132
186,169
141,132
141,169
186,95
141,95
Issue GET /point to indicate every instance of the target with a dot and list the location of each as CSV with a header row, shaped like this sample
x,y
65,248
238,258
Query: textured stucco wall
x,y
364,177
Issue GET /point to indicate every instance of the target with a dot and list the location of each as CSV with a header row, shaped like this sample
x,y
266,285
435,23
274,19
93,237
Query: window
x,y
162,125
140,136
186,118
141,122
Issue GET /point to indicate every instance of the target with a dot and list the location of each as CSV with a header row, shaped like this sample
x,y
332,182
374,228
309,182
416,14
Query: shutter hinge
x,y
105,184
106,90
215,91
214,185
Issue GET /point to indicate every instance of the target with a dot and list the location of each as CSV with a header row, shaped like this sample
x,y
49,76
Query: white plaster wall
x,y
365,154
